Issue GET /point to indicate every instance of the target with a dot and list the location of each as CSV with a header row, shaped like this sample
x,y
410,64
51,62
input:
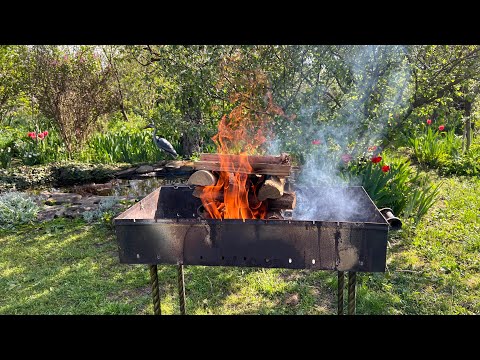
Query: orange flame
x,y
242,132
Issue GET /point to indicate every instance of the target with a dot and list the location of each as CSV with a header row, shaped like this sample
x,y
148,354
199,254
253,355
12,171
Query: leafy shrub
x,y
36,151
420,200
443,150
16,208
8,146
23,177
6,155
399,188
30,150
431,146
465,164
105,211
74,88
126,145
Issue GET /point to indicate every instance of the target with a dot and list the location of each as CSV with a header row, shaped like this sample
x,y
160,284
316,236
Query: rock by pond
x,y
51,212
63,203
172,168
144,169
60,198
69,174
59,204
82,187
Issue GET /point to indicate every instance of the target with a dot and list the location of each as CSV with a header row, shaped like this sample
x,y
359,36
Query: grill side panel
x,y
272,244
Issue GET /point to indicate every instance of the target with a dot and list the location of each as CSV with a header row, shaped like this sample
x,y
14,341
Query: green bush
x,y
6,155
465,164
104,212
431,147
41,151
16,208
443,151
8,147
420,200
400,188
15,143
125,146
23,177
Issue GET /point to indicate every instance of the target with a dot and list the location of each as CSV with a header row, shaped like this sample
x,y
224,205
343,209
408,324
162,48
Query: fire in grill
x,y
165,228
242,187
239,209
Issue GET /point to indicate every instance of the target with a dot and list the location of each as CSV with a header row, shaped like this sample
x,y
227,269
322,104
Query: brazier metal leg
x,y
352,292
181,288
155,290
341,287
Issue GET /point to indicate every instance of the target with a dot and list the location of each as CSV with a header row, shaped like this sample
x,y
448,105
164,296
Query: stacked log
x,y
268,173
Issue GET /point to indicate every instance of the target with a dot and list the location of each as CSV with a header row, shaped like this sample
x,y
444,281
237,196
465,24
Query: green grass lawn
x,y
70,267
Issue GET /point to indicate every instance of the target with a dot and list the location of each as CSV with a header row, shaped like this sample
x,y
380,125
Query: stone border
x,y
160,169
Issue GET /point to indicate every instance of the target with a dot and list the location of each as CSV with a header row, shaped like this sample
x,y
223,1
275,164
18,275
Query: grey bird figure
x,y
161,143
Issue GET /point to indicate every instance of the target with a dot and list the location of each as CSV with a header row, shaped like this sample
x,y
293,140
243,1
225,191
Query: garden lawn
x,y
69,267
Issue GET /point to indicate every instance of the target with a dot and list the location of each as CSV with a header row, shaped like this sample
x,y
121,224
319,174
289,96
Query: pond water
x,y
134,189
143,187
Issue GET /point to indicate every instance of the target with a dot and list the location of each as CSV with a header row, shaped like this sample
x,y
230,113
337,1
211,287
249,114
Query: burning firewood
x,y
198,193
243,187
202,178
272,188
256,168
287,201
281,159
262,165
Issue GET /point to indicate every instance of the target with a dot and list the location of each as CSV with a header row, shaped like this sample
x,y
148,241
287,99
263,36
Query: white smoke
x,y
350,133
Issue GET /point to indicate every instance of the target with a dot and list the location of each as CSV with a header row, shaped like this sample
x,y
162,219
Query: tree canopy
x,y
375,92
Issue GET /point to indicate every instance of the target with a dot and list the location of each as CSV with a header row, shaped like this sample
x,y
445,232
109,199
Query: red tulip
x,y
45,133
316,142
441,127
429,122
385,168
376,159
41,136
346,158
31,134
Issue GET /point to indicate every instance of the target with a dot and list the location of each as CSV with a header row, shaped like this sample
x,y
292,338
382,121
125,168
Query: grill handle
x,y
394,222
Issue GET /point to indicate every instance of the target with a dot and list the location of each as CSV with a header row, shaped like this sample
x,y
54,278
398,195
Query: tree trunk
x,y
192,140
191,143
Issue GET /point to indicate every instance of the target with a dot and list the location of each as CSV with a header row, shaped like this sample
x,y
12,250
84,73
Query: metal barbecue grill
x,y
165,228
